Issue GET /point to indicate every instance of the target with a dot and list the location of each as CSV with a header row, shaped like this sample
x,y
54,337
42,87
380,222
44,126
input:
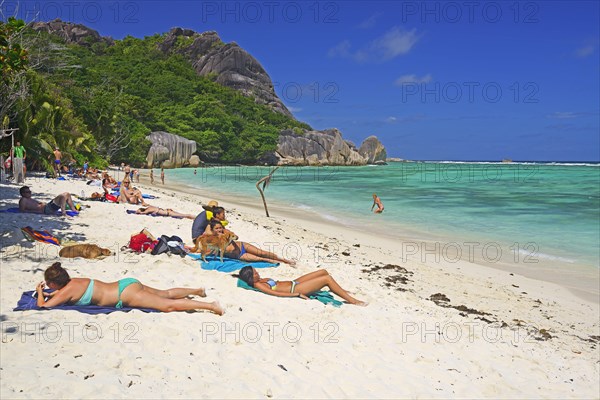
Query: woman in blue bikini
x,y
300,287
126,292
245,251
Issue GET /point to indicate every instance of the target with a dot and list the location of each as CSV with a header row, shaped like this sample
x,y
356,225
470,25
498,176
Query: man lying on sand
x,y
27,204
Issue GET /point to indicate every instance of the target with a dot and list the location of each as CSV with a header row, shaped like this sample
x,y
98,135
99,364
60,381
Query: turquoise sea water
x,y
544,211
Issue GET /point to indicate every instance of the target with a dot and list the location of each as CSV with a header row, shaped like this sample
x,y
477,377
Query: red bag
x,y
141,243
111,198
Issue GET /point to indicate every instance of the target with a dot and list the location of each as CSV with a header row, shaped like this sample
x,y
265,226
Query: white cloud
x,y
393,43
584,51
294,109
412,78
340,50
571,114
405,119
370,22
563,115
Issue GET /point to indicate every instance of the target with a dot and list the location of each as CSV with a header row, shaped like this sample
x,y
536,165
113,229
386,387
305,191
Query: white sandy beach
x,y
536,339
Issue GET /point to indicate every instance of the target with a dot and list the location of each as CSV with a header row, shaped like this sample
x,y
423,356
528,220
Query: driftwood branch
x,y
111,146
265,182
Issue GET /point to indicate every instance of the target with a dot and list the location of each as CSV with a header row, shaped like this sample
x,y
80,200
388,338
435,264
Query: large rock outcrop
x,y
169,150
321,148
72,33
231,65
372,149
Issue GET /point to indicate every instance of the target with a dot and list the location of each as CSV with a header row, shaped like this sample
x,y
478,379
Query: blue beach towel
x,y
152,215
28,302
17,211
323,296
228,264
116,192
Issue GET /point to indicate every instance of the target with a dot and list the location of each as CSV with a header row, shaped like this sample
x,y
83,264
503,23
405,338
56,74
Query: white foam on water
x,y
544,256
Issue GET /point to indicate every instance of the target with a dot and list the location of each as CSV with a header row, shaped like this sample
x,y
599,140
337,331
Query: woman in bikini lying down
x,y
300,287
168,212
126,292
245,251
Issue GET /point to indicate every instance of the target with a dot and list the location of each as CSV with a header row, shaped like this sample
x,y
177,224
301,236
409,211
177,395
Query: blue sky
x,y
481,80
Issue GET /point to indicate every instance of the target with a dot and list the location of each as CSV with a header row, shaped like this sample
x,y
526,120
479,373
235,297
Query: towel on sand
x,y
323,296
40,236
228,264
28,302
145,196
17,211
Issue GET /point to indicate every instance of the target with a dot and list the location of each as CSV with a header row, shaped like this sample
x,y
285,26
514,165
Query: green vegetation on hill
x,y
99,101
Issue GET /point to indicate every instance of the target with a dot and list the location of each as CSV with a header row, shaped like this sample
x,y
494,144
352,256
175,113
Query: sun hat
x,y
210,205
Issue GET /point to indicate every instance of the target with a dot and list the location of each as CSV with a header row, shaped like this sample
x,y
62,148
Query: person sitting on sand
x,y
377,202
245,251
168,212
27,204
127,292
300,287
201,224
130,195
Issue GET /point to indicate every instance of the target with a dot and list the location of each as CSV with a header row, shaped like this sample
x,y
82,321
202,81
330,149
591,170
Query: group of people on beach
x,y
129,292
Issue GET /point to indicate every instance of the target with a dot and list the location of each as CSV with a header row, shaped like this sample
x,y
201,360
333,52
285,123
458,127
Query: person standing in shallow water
x,y
377,202
162,175
152,176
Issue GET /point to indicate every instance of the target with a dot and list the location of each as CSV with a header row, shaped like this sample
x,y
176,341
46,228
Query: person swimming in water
x,y
127,292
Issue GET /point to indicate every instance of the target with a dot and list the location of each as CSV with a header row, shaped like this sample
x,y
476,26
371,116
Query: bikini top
x,y
272,284
86,299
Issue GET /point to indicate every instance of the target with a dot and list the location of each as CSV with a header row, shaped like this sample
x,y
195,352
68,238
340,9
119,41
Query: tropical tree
x,y
13,63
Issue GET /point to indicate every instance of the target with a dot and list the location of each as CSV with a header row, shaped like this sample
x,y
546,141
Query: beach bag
x,y
141,243
169,244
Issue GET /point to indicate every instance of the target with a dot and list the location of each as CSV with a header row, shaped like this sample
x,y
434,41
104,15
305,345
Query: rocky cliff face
x,y
231,65
323,148
372,150
72,33
170,151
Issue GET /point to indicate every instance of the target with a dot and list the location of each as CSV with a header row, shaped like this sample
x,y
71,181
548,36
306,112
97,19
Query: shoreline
x,y
582,280
444,330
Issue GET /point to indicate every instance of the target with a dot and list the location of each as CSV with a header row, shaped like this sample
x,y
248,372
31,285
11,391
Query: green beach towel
x,y
323,296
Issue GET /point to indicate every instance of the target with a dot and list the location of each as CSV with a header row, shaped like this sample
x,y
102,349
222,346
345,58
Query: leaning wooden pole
x,y
265,182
